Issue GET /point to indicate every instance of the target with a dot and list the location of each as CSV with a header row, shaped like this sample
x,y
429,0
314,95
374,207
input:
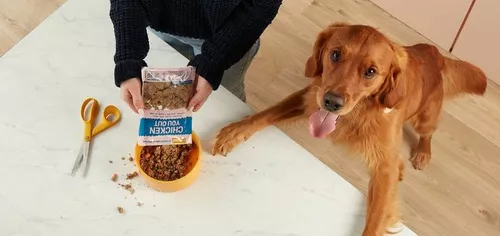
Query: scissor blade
x,y
78,160
86,146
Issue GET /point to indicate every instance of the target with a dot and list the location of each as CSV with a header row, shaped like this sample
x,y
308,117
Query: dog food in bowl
x,y
166,162
172,167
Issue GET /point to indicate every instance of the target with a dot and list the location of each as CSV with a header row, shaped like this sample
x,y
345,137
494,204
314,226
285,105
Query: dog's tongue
x,y
321,123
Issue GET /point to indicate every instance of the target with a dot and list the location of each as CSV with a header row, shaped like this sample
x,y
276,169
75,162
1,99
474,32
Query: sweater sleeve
x,y
234,37
132,45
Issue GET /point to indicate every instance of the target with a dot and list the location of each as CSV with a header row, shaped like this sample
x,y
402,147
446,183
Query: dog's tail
x,y
461,77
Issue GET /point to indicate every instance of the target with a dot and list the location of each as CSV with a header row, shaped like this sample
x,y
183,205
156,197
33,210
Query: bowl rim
x,y
196,141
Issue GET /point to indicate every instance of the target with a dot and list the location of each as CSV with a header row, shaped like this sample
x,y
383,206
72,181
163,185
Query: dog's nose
x,y
332,102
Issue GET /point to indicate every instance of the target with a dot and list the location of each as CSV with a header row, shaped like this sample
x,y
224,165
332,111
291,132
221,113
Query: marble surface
x,y
260,189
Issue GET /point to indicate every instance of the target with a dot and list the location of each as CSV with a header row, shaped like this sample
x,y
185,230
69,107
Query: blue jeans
x,y
233,78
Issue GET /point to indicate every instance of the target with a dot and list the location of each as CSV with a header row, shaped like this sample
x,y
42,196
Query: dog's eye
x,y
370,73
335,56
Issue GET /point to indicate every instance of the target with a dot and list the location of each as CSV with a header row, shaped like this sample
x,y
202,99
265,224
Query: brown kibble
x,y
120,210
114,177
168,162
132,175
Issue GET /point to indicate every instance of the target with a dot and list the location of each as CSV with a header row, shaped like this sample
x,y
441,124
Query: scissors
x,y
89,132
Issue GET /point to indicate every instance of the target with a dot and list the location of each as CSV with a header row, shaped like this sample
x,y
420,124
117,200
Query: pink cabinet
x,y
479,42
438,20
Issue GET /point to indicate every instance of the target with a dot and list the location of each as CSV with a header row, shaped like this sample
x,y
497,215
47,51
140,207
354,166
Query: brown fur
x,y
413,81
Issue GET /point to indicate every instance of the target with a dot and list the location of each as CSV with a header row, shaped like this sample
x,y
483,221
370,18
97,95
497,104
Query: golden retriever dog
x,y
364,88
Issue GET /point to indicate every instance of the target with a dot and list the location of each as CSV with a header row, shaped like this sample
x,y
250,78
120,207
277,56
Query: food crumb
x,y
120,210
131,159
128,187
154,205
139,204
110,162
132,175
123,158
114,177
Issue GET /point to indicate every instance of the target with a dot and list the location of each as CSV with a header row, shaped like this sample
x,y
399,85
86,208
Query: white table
x,y
261,189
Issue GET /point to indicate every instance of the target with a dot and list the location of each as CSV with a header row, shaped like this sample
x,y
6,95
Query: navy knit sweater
x,y
229,28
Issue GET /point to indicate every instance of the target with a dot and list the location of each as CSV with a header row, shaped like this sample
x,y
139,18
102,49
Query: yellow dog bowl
x,y
192,172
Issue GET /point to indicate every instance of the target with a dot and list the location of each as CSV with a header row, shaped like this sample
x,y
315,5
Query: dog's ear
x,y
393,89
314,66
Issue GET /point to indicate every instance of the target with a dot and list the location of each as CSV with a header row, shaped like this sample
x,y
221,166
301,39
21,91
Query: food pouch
x,y
165,119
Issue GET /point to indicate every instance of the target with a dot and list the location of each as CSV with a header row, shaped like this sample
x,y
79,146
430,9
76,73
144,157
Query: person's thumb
x,y
195,100
137,97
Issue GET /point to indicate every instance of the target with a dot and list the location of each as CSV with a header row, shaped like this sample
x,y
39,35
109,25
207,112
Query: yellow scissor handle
x,y
110,112
89,122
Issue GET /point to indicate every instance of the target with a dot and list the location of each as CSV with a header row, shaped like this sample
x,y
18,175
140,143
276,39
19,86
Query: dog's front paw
x,y
232,135
420,160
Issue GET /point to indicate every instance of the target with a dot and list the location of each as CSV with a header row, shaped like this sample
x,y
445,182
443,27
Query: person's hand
x,y
202,91
131,93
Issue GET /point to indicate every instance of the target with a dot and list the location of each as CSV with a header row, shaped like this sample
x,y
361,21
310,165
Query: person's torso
x,y
189,18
